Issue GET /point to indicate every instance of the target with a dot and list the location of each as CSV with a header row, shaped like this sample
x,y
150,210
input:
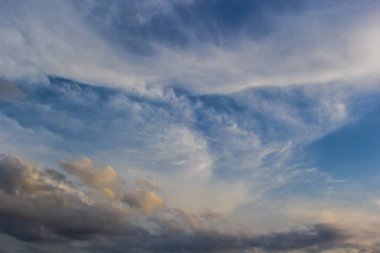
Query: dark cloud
x,y
37,207
42,210
319,235
18,178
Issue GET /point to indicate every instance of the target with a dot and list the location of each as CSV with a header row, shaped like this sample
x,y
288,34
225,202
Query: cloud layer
x,y
45,208
199,46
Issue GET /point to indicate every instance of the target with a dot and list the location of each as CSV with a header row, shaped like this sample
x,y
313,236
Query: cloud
x,y
103,179
319,235
109,184
38,207
192,44
177,146
145,200
8,90
224,151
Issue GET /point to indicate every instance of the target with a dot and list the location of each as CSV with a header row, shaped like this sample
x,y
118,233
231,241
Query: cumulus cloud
x,y
103,179
38,208
42,207
145,200
109,184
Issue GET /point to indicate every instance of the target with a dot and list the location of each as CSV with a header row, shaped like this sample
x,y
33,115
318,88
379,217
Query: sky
x,y
180,126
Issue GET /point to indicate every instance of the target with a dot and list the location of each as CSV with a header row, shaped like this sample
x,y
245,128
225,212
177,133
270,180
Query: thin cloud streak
x,y
302,48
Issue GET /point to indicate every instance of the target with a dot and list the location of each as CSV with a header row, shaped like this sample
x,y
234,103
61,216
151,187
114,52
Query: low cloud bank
x,y
92,209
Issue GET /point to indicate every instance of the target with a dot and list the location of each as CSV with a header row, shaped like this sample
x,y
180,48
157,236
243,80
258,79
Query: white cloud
x,y
51,37
221,151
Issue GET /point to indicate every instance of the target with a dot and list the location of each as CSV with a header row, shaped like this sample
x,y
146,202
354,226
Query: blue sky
x,y
189,126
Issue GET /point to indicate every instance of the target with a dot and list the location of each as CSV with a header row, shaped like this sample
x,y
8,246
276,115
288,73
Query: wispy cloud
x,y
214,147
97,43
223,151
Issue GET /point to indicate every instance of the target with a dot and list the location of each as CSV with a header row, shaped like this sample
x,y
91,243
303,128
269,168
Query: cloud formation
x,y
108,183
208,134
224,151
45,207
199,46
